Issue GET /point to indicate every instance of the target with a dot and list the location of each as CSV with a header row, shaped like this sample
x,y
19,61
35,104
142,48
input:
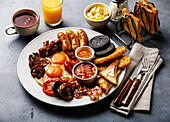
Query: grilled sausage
x,y
82,36
73,38
66,46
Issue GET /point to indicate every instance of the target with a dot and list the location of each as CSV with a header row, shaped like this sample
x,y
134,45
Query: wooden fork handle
x,y
121,95
131,92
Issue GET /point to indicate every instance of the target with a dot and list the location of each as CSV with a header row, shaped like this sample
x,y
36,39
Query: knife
x,y
132,90
126,87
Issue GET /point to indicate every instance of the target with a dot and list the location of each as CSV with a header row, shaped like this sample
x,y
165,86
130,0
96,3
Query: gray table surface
x,y
16,104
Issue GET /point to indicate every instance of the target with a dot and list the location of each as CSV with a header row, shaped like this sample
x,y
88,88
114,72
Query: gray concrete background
x,y
16,104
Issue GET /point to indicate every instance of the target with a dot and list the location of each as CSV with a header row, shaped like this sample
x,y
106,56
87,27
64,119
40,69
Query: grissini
x,y
66,46
131,24
82,36
73,38
119,51
145,2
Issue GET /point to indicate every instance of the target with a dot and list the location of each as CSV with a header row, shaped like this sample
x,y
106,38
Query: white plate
x,y
32,87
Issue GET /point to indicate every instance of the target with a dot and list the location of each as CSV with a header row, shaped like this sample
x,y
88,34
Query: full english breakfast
x,y
58,69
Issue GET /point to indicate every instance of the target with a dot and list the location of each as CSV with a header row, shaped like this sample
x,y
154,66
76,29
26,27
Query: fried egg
x,y
53,72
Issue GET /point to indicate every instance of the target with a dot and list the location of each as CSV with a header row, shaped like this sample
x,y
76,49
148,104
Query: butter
x,y
100,10
93,11
98,16
97,13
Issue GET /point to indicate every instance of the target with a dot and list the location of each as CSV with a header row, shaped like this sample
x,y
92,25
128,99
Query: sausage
x,y
73,38
66,46
119,51
82,36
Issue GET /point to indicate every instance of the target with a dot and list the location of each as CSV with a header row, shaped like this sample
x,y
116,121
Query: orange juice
x,y
52,11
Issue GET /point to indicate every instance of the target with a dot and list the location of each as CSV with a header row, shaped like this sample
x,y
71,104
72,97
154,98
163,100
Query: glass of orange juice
x,y
52,11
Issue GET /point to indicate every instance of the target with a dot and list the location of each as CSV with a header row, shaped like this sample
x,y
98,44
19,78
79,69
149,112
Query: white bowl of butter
x,y
97,15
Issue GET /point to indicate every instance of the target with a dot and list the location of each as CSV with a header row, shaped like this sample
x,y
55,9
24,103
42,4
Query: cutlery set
x,y
128,91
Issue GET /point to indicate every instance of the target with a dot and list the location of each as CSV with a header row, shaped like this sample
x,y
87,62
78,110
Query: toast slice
x,y
110,74
155,11
106,86
146,17
131,25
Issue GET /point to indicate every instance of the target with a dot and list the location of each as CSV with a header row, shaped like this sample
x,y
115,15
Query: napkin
x,y
142,97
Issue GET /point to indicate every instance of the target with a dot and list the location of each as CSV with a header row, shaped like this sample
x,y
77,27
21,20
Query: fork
x,y
145,64
136,82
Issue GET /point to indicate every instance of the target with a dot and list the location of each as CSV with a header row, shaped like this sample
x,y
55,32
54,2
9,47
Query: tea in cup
x,y
25,22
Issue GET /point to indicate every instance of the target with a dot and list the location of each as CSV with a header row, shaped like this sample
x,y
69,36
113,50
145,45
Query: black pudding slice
x,y
106,51
99,42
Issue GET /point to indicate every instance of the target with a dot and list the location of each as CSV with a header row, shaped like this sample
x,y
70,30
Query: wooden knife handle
x,y
131,92
121,95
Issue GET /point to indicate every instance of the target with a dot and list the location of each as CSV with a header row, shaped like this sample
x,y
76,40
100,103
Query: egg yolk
x,y
54,71
58,58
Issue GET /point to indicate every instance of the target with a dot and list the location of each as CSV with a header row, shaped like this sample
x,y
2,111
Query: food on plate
x,y
111,73
66,91
66,45
55,87
85,70
103,66
131,24
53,71
36,60
124,62
99,42
47,87
84,53
148,16
73,38
71,55
106,86
37,64
94,92
38,72
119,51
102,45
108,50
58,58
98,13
83,38
53,65
51,48
67,66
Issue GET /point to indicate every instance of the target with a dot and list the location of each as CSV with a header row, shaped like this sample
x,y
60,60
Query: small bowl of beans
x,y
85,72
84,53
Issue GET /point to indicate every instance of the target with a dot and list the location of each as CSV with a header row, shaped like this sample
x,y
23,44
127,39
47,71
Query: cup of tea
x,y
24,22
52,11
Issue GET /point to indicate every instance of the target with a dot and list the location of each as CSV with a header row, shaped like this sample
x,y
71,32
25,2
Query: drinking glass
x,y
52,11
